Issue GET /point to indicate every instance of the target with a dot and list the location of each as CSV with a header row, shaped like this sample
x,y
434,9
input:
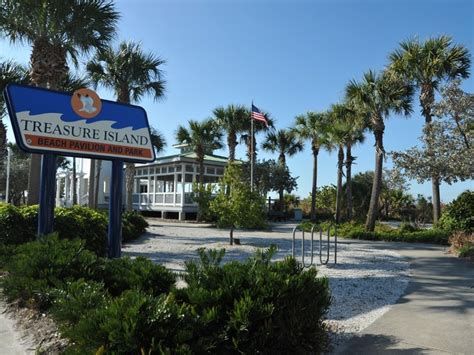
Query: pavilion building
x,y
163,187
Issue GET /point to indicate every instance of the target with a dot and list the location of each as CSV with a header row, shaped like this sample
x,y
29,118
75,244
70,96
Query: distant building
x,y
164,186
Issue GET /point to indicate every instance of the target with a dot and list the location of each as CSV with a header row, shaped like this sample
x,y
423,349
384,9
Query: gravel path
x,y
364,283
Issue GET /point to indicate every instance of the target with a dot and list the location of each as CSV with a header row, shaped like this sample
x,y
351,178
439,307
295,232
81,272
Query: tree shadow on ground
x,y
377,344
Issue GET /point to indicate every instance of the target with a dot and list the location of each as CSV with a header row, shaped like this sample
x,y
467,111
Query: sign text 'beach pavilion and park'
x,y
80,124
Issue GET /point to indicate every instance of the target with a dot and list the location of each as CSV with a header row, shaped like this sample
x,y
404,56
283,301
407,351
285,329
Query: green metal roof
x,y
208,158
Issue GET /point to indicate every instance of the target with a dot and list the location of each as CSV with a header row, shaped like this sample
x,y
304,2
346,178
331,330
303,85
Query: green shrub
x,y
44,264
72,303
18,225
135,323
124,273
235,205
437,236
382,231
256,306
13,229
459,214
467,252
84,223
407,227
133,226
7,253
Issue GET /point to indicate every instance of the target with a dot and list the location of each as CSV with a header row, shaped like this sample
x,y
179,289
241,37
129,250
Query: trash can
x,y
298,214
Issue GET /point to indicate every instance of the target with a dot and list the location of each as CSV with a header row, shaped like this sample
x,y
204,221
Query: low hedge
x,y
18,225
41,265
125,306
407,233
51,262
436,236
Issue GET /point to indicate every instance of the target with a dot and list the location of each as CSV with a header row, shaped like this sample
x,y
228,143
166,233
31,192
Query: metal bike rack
x,y
293,246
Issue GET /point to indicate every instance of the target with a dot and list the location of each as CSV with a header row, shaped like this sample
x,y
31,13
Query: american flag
x,y
257,115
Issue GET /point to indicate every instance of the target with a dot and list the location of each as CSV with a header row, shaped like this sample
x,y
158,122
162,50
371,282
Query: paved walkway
x,y
436,314
10,339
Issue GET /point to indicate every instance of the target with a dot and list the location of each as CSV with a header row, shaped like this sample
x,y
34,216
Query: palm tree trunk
x,y
97,183
281,194
249,147
282,162
427,100
377,182
436,200
349,181
314,188
340,164
231,143
34,179
91,188
129,177
3,143
48,68
74,182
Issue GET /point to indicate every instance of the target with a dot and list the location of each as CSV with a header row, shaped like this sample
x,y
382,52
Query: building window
x,y
211,170
178,167
143,186
189,168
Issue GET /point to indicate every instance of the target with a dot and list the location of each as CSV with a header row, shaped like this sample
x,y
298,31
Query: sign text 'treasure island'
x,y
80,124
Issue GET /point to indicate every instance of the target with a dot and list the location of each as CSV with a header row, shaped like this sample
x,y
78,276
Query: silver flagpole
x,y
251,148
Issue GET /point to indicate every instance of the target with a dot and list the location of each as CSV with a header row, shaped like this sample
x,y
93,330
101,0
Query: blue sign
x,y
78,124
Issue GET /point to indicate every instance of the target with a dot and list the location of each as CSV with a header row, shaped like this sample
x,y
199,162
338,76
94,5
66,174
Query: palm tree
x,y
339,129
10,72
232,120
158,140
313,126
203,137
377,95
56,30
285,143
354,125
426,65
346,129
131,74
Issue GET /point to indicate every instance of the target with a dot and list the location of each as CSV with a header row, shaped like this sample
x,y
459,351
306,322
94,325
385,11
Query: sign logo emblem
x,y
86,103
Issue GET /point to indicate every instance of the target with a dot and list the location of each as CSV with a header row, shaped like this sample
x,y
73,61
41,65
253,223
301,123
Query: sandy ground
x,y
364,283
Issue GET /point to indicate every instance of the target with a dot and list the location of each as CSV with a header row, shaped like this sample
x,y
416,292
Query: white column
x,y
68,189
183,183
58,191
175,187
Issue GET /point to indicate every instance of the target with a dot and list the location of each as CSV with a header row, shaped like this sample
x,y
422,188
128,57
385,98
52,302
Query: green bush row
x,y
125,306
18,225
459,214
51,262
406,233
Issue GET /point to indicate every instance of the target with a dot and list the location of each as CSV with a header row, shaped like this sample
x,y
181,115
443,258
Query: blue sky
x,y
288,56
